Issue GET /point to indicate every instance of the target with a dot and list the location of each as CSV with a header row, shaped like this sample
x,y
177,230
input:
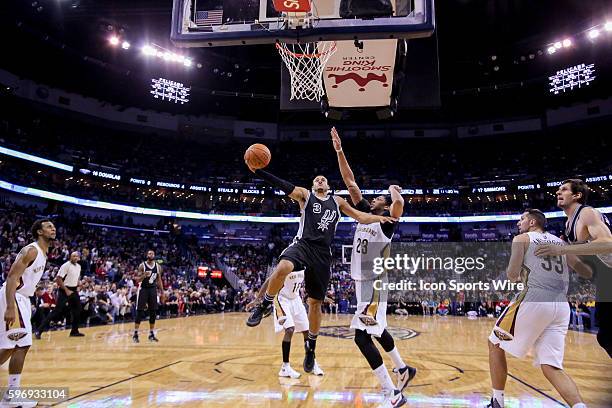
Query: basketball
x,y
257,156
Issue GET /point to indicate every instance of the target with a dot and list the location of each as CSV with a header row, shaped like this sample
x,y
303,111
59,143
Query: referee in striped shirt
x,y
67,280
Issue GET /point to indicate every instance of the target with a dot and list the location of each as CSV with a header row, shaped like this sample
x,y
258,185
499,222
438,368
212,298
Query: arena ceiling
x,y
489,51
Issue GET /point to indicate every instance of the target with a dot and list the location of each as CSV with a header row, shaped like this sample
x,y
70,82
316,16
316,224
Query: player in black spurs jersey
x,y
590,234
310,250
149,273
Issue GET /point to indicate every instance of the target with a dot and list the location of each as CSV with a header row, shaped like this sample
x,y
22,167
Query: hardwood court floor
x,y
217,361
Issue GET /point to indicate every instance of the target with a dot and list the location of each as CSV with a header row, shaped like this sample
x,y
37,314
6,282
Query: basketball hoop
x,y
305,63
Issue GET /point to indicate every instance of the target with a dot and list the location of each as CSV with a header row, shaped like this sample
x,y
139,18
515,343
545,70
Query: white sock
x,y
384,378
498,395
397,359
14,380
579,405
285,365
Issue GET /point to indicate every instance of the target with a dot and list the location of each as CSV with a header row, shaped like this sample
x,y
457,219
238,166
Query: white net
x,y
305,63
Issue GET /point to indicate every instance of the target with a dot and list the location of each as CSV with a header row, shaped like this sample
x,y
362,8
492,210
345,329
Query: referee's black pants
x,y
64,304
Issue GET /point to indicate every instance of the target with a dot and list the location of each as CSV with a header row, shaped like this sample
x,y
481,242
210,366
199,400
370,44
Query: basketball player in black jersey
x,y
310,250
590,234
149,275
392,205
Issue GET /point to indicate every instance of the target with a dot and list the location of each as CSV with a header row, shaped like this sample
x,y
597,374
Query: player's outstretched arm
x,y
583,270
600,244
397,201
361,217
298,194
520,243
25,257
345,170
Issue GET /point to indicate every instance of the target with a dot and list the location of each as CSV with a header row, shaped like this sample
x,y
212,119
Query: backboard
x,y
212,23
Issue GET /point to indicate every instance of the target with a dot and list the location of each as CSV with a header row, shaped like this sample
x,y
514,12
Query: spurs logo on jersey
x,y
149,282
328,218
319,220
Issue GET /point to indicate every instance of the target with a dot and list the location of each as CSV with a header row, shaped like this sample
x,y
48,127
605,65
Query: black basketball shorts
x,y
146,298
316,263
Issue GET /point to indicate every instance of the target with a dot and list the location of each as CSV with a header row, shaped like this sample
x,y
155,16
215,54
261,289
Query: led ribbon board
x,y
251,218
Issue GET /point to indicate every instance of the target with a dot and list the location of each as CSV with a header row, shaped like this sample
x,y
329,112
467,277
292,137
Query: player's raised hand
x,y
395,187
336,139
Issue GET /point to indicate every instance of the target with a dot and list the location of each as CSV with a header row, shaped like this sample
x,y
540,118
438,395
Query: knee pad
x,y
386,341
151,316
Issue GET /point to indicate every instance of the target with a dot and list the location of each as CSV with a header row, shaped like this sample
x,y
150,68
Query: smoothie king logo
x,y
361,71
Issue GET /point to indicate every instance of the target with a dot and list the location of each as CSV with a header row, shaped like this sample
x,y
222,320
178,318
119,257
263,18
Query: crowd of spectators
x,y
459,163
111,255
109,259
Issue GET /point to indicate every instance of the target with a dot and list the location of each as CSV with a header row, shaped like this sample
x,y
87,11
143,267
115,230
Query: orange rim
x,y
282,47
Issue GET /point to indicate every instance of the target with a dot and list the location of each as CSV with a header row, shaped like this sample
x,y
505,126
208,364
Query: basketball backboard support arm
x,y
185,32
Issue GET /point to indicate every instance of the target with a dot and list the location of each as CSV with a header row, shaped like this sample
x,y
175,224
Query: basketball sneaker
x,y
135,338
316,370
258,313
494,404
309,357
153,338
287,371
393,399
404,376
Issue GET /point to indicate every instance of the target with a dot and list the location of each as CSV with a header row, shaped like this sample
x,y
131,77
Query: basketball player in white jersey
x,y
289,315
539,316
590,234
370,241
16,332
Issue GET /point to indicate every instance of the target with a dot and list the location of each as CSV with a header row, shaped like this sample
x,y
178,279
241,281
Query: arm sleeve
x,y
389,228
363,206
278,182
